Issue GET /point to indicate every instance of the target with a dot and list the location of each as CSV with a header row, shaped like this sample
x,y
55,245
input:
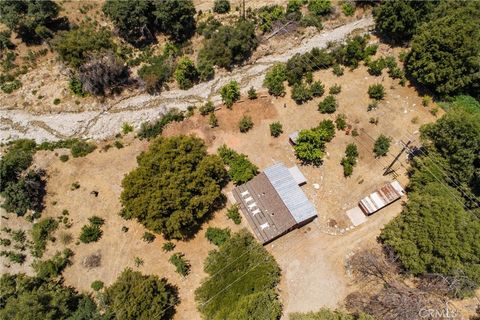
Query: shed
x,y
381,198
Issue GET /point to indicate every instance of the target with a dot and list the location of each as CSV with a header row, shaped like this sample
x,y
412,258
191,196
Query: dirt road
x,y
135,110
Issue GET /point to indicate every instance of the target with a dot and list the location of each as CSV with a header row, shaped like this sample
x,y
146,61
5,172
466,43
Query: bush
x,y
212,120
376,91
205,70
350,159
221,6
90,233
230,45
97,285
41,232
187,182
276,129
328,105
152,297
337,70
82,148
245,124
186,74
310,147
268,15
319,7
182,266
127,128
207,108
148,237
382,145
230,93
66,238
234,214
335,89
17,158
151,130
312,20
252,298
300,93
217,236
25,194
14,257
118,144
64,158
376,67
348,9
341,121
53,268
317,89
157,71
76,45
168,246
240,170
5,242
96,221
252,93
274,80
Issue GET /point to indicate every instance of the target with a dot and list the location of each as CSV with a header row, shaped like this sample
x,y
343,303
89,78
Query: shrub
x,y
382,145
53,268
138,261
348,9
14,257
376,67
372,105
151,130
234,214
335,89
41,232
5,242
96,221
118,144
230,93
317,89
276,129
82,148
268,15
157,71
319,7
311,20
376,91
300,93
252,93
17,158
217,236
186,74
182,266
328,105
245,124
205,70
240,169
25,194
207,108
274,80
90,233
64,158
337,70
341,121
212,120
184,171
19,236
75,186
148,237
254,296
9,87
350,159
221,6
168,246
66,238
127,128
97,285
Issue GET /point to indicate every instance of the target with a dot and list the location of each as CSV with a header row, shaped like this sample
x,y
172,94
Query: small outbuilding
x,y
382,197
293,137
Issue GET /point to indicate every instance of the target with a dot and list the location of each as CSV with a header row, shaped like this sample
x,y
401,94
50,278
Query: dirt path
x,y
106,123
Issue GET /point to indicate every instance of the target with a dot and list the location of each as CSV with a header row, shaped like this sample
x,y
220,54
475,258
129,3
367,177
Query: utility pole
x,y
389,170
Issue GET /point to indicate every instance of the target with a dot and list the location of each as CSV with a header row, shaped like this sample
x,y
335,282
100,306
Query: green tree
x,y
399,19
41,232
181,264
240,169
230,93
255,296
382,145
319,7
274,80
134,20
137,296
90,233
252,93
157,71
17,158
175,186
76,45
317,89
328,105
186,74
376,91
53,268
245,124
445,50
276,129
176,18
25,194
300,93
217,236
310,145
221,6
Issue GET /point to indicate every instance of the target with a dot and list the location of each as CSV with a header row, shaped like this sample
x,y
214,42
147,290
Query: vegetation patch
x,y
240,169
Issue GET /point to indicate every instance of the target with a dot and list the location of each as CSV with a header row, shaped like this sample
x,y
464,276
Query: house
x,y
273,202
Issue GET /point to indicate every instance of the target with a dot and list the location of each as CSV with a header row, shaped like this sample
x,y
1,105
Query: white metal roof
x,y
297,175
291,194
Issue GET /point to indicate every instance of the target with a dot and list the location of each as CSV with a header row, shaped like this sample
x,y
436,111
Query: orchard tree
x,y
175,186
310,145
382,145
274,80
230,93
186,73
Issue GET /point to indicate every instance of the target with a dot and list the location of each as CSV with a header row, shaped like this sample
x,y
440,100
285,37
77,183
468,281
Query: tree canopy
x,y
310,145
175,186
254,297
176,18
137,296
445,50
